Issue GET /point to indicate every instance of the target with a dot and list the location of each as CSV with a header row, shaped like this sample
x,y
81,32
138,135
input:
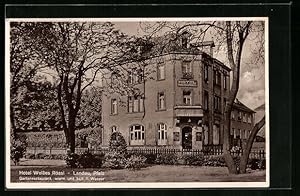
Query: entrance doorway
x,y
187,138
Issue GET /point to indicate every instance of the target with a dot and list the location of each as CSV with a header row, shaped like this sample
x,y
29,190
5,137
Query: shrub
x,y
190,159
215,161
150,158
84,160
41,156
45,156
117,143
29,156
116,157
17,149
168,159
72,160
114,160
57,139
88,160
135,162
237,161
257,164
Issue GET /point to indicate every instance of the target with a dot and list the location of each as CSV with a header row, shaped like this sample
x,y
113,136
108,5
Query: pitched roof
x,y
239,105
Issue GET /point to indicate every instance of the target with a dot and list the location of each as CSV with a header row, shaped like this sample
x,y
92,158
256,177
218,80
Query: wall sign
x,y
187,83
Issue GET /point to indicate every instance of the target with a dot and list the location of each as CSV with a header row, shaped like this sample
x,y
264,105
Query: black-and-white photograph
x,y
137,102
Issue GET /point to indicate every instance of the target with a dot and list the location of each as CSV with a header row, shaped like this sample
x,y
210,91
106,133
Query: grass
x,y
155,173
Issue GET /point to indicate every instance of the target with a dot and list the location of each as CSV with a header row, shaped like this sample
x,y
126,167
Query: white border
x,y
34,185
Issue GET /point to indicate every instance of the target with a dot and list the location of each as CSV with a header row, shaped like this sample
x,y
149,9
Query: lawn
x,y
155,173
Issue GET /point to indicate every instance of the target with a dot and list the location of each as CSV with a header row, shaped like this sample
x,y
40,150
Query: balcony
x,y
188,111
187,75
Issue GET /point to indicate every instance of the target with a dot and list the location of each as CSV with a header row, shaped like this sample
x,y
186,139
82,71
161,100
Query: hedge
x,y
56,139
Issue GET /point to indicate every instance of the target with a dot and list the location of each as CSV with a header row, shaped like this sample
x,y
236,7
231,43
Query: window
x,y
216,134
240,116
206,73
135,104
135,76
242,134
114,129
114,106
187,97
244,117
176,136
217,77
130,77
249,118
217,103
225,82
224,103
161,101
198,136
232,115
184,42
238,134
186,67
137,135
232,132
161,71
205,100
162,134
245,134
205,134
114,78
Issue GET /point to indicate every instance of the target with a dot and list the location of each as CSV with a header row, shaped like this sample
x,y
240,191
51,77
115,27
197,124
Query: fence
x,y
257,154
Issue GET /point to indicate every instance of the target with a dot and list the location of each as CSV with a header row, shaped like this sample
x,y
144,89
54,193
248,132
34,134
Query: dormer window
x,y
184,39
184,42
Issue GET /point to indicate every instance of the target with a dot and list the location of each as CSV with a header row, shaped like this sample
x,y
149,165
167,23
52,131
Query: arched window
x,y
137,135
162,134
114,129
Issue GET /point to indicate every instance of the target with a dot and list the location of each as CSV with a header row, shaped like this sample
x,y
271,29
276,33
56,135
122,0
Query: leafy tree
x,y
76,53
89,114
24,65
17,148
37,108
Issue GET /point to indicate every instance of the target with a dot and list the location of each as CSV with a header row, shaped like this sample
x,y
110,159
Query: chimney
x,y
206,45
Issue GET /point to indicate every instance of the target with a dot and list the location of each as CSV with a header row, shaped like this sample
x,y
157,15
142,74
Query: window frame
x,y
189,96
114,106
206,100
135,99
225,81
137,136
206,71
159,108
217,103
159,75
162,131
186,67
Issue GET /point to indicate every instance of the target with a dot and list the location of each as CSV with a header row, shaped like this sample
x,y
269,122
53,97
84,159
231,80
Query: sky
x,y
252,78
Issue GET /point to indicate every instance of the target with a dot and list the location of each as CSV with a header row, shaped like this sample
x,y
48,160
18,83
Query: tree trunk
x,y
247,150
232,169
12,121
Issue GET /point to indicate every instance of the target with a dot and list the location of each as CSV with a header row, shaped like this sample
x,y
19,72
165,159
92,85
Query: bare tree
x,y
231,37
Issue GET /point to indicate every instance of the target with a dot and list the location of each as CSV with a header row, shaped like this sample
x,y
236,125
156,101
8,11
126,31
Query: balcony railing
x,y
188,111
